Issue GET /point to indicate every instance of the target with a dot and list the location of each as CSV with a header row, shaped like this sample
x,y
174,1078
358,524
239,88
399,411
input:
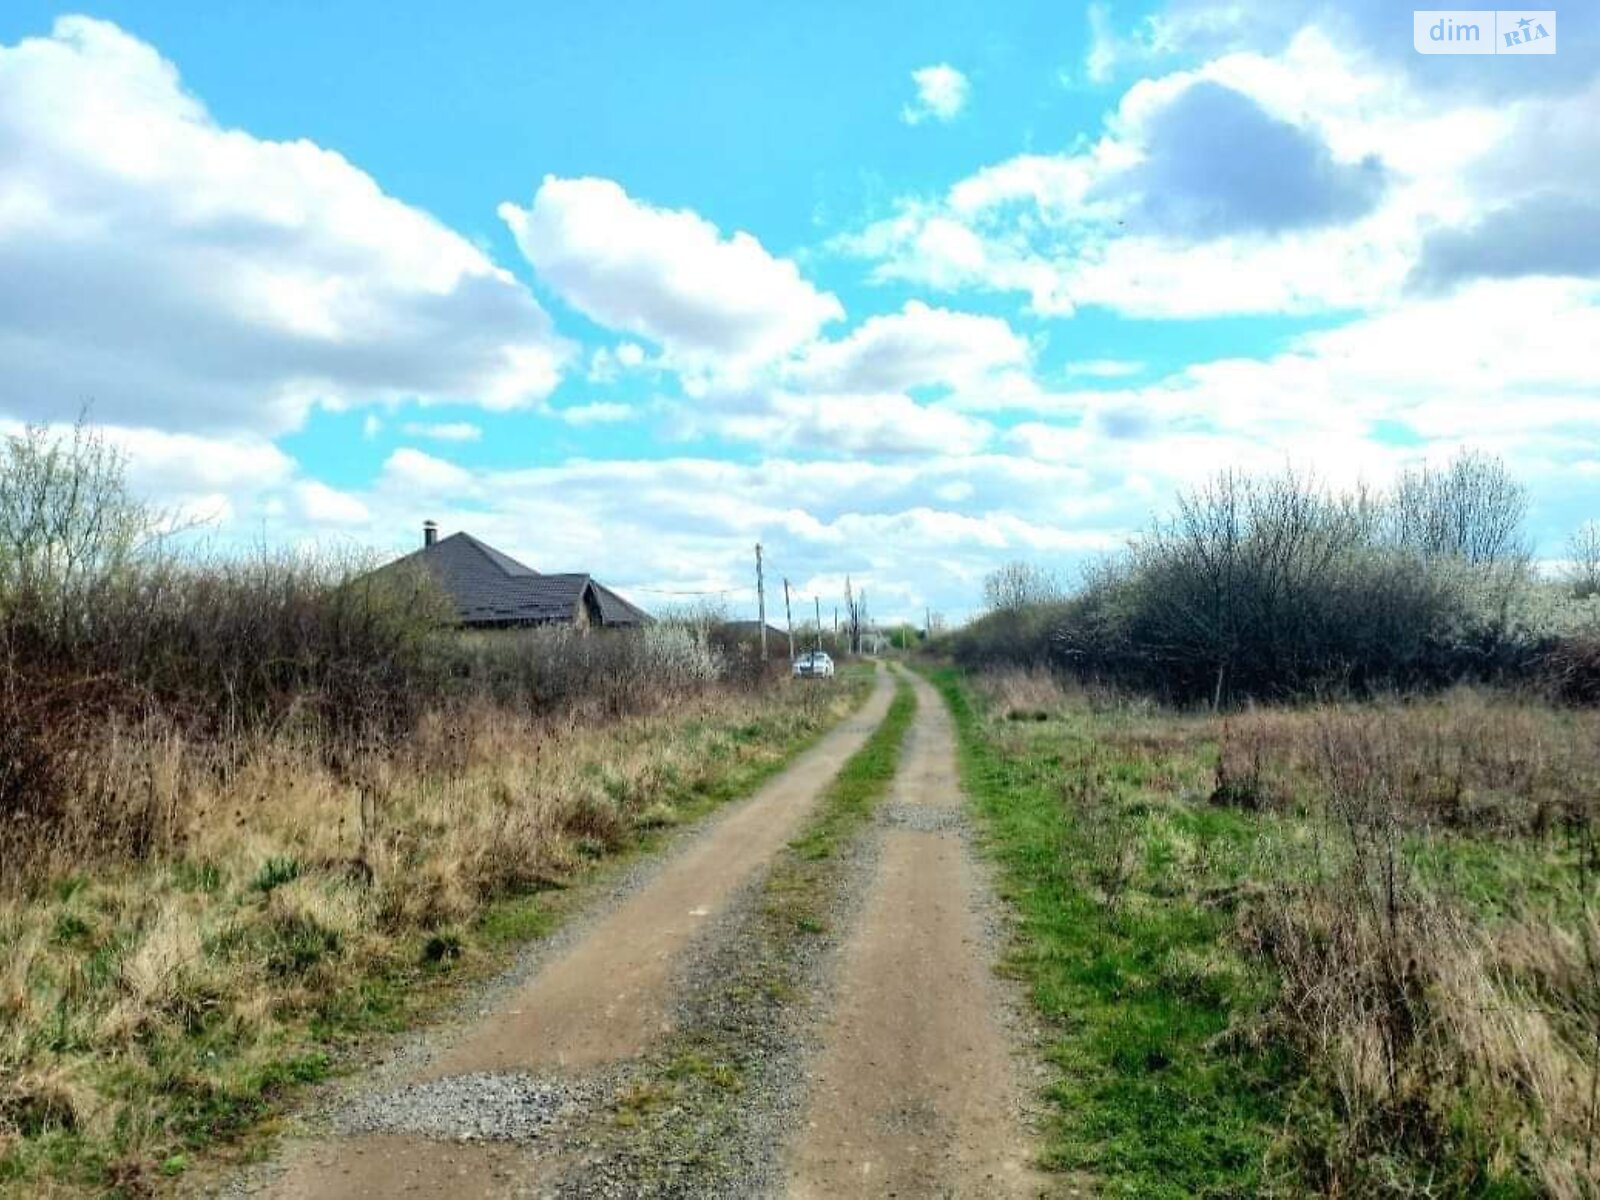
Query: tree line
x,y
1278,586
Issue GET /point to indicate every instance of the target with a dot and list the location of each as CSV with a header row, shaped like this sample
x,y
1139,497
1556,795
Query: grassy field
x,y
1339,949
154,1013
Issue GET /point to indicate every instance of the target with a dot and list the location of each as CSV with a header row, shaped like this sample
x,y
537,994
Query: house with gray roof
x,y
750,631
492,590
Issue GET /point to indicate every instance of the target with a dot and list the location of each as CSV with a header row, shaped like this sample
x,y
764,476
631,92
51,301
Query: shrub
x,y
544,670
135,670
1571,670
1020,637
1261,588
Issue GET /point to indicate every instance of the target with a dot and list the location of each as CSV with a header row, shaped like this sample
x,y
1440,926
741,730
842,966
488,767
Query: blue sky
x,y
903,291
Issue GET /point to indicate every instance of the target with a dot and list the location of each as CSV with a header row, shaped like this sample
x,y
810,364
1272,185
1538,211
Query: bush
x,y
126,659
543,670
1261,588
1018,637
1571,670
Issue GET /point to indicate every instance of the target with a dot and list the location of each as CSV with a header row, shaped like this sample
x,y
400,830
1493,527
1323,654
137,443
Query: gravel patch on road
x,y
752,1004
922,818
482,1107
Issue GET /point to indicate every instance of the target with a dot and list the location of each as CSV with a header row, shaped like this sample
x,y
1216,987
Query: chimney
x,y
430,533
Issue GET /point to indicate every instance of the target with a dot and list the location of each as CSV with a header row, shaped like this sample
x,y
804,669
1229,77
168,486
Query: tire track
x,y
916,1092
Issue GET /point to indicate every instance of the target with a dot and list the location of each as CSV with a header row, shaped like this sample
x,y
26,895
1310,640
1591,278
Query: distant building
x,y
751,631
492,590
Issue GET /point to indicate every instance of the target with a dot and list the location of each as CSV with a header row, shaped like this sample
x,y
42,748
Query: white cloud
x,y
917,346
852,396
1368,167
324,505
183,462
851,424
444,431
942,92
1156,467
607,364
188,478
912,530
1159,36
1104,368
408,469
667,275
1503,359
598,413
1501,366
1101,60
180,272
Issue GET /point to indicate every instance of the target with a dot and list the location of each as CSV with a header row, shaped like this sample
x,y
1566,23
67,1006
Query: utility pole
x,y
836,629
761,604
788,618
927,623
818,601
850,616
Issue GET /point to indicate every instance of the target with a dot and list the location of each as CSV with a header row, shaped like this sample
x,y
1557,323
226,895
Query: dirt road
x,y
609,997
916,1093
912,1094
602,1001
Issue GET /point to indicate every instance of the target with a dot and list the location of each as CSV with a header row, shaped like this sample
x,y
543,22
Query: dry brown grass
x,y
1467,760
1022,694
154,999
1443,1038
1452,1008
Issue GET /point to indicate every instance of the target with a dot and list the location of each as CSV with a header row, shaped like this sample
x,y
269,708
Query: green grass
x,y
1152,1099
1139,900
863,781
1502,878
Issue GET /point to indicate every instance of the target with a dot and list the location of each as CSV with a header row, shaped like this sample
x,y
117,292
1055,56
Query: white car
x,y
814,664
